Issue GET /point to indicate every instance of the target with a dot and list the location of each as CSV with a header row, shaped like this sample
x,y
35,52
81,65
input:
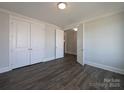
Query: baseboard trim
x,y
105,67
5,69
48,59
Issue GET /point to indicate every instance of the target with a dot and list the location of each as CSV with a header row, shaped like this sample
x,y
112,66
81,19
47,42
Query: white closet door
x,y
37,43
59,43
20,43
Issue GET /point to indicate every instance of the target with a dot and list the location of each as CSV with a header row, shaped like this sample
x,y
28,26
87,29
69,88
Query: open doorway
x,y
70,44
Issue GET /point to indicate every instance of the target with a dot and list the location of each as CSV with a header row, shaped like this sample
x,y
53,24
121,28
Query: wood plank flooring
x,y
60,74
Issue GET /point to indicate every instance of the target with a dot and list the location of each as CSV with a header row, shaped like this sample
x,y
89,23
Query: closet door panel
x,y
37,43
21,32
59,43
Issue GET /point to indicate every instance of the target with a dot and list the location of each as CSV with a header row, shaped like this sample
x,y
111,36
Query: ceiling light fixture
x,y
75,29
62,5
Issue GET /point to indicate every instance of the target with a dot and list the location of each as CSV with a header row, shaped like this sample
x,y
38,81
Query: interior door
x,y
80,44
37,43
59,43
20,43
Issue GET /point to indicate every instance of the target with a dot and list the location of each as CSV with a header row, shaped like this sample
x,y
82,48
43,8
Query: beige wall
x,y
104,42
71,42
4,40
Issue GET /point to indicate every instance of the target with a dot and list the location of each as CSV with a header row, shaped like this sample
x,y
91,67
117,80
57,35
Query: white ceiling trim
x,y
91,19
28,18
64,28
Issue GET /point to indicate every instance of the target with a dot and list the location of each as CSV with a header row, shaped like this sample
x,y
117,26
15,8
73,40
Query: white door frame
x,y
83,43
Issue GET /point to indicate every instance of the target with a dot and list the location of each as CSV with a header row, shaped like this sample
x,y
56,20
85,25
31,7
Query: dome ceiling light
x,y
61,5
75,29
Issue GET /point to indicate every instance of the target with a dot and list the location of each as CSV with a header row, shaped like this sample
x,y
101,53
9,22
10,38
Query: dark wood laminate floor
x,y
64,73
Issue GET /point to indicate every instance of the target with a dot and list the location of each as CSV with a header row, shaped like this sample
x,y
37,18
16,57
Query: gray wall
x,y
50,42
4,40
71,42
104,41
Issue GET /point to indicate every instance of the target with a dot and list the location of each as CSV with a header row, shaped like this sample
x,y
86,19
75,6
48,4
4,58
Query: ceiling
x,y
75,12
